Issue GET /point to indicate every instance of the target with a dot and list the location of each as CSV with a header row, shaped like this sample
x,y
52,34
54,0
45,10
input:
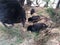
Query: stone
x,y
53,3
41,3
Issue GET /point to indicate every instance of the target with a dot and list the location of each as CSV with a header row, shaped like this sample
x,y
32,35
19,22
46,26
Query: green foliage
x,y
55,16
51,12
13,32
46,0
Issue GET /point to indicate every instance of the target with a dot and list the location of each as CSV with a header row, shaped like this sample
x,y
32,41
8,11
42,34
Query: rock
x,y
25,2
34,3
41,3
53,3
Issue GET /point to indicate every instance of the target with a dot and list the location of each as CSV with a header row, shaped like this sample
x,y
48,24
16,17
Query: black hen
x,y
11,12
32,11
36,27
34,19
